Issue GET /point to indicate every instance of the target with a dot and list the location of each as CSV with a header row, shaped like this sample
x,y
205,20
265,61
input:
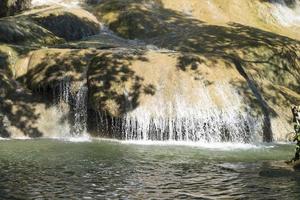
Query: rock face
x,y
184,74
48,26
70,24
267,62
25,32
151,18
10,7
49,67
131,19
23,113
139,84
20,111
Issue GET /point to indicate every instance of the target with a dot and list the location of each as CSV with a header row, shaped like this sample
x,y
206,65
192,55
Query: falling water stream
x,y
64,3
182,120
285,15
72,107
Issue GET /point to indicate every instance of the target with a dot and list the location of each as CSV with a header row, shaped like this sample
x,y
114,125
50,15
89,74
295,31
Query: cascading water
x,y
286,15
183,120
80,112
73,110
64,3
62,108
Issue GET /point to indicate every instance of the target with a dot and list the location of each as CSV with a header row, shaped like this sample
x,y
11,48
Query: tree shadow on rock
x,y
56,66
17,107
68,26
114,86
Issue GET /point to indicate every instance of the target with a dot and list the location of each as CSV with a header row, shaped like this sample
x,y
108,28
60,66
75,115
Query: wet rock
x,y
296,165
11,7
291,3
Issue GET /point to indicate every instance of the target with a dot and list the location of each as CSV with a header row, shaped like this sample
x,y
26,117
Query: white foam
x,y
285,15
190,120
63,129
78,139
64,3
215,145
205,145
223,146
22,138
82,138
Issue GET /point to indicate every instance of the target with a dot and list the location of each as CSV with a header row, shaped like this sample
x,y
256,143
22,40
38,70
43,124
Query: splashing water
x,y
81,112
285,15
224,146
73,117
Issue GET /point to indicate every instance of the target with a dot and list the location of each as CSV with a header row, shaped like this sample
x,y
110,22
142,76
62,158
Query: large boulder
x,y
23,114
47,26
163,87
70,24
132,19
146,19
27,114
25,32
19,109
267,62
49,67
48,73
232,93
10,7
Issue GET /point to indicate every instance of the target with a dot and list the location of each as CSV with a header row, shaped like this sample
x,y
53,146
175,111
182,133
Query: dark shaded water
x,y
50,169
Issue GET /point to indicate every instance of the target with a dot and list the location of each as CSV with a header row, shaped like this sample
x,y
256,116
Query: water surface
x,y
52,169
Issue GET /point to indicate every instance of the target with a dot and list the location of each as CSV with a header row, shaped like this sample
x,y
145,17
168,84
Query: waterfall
x,y
197,120
286,15
71,106
62,109
80,111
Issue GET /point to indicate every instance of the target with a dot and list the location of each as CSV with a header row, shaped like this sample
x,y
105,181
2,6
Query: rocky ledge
x,y
146,55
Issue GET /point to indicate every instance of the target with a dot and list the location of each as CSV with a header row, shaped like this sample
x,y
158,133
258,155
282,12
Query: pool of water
x,y
101,169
